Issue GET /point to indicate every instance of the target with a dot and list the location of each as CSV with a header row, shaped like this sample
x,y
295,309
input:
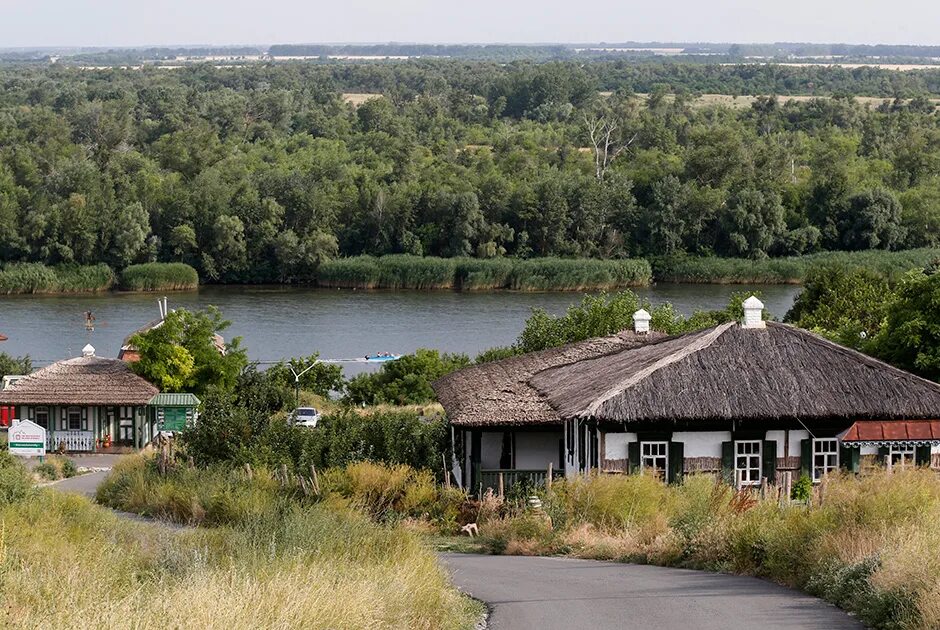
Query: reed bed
x,y
401,271
67,563
790,270
159,277
36,278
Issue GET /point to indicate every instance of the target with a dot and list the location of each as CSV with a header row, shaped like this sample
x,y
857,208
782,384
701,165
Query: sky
x,y
31,23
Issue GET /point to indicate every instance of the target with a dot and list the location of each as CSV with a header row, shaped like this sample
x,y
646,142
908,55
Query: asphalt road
x,y
563,593
85,484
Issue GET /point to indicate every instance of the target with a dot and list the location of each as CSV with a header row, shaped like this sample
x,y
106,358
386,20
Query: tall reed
x,y
159,277
39,278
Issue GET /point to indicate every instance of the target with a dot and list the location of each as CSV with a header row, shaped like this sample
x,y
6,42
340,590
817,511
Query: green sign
x,y
174,419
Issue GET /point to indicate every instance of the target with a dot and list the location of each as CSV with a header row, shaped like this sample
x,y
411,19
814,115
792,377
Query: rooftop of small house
x,y
85,380
751,370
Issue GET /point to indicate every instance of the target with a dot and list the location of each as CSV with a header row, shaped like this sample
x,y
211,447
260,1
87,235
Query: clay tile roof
x,y
730,372
82,381
893,431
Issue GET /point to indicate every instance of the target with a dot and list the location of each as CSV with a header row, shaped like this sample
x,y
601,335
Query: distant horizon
x,y
223,23
631,42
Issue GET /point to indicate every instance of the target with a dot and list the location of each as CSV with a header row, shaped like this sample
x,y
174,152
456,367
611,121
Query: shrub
x,y
802,489
69,469
47,470
159,277
404,381
38,278
15,481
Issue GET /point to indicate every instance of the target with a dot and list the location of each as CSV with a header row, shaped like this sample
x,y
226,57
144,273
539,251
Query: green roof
x,y
174,400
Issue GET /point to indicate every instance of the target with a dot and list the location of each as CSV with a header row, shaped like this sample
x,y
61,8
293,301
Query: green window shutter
x,y
633,456
676,461
63,419
727,462
922,455
850,458
806,457
769,468
84,418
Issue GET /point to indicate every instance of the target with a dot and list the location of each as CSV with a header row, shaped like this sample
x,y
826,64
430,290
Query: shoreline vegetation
x,y
429,273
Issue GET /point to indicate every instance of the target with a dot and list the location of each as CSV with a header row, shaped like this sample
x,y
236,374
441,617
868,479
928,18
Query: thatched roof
x,y
498,393
87,380
734,373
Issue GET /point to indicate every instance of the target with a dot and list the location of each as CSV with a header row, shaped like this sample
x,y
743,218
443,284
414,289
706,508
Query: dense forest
x,y
261,173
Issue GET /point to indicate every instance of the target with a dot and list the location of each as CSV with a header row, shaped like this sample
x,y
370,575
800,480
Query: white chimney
x,y
641,321
753,309
88,351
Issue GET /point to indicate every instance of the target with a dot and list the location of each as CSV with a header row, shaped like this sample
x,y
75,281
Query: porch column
x,y
476,459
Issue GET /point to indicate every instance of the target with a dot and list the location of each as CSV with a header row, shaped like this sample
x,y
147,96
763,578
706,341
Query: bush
x,y
38,278
47,470
405,381
159,277
402,271
69,469
15,481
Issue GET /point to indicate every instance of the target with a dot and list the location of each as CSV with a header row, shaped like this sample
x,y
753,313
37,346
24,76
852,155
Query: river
x,y
278,322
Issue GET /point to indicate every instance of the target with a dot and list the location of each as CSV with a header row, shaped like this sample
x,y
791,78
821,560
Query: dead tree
x,y
605,142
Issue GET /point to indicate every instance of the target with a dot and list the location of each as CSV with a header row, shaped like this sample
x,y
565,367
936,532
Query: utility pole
x,y
297,376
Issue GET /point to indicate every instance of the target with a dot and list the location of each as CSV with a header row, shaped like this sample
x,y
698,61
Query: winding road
x,y
528,593
533,593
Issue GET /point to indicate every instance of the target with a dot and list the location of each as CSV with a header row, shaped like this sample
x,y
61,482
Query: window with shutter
x,y
825,457
747,462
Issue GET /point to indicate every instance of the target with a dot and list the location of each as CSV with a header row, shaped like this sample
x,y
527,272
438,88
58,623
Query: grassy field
x,y
66,563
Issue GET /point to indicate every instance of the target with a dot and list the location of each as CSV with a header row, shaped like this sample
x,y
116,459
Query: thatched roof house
x,y
86,380
499,393
745,400
731,372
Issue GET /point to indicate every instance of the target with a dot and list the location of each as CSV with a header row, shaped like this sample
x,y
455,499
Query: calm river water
x,y
277,322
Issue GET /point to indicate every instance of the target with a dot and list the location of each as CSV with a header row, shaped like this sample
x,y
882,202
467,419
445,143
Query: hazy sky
x,y
155,22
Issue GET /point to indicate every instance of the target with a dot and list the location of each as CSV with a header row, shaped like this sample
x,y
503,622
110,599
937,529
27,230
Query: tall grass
x,y
541,274
66,563
790,270
38,278
866,543
159,277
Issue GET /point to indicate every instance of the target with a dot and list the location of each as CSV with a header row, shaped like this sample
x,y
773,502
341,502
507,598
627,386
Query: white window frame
x,y
830,458
649,458
907,455
749,474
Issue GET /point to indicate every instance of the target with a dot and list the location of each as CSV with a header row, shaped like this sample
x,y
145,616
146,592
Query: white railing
x,y
73,440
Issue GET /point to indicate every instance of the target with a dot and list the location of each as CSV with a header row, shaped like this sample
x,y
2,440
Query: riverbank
x,y
404,272
40,279
789,270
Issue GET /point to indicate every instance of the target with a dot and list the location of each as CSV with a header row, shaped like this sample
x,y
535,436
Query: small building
x,y
90,403
743,400
171,413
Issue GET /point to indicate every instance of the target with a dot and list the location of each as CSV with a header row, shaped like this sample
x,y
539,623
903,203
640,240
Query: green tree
x,y
404,381
910,336
185,353
14,365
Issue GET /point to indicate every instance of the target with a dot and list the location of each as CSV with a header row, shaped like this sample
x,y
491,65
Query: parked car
x,y
305,417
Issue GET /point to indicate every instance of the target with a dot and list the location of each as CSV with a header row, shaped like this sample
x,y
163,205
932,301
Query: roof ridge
x,y
700,343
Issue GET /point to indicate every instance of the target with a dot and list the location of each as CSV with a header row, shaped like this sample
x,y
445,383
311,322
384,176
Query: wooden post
x,y
248,472
501,487
788,485
283,474
548,479
763,487
314,479
738,474
446,472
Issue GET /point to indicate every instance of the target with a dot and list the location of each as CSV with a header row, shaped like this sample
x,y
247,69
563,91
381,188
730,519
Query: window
x,y
902,455
747,462
654,457
825,457
75,419
42,417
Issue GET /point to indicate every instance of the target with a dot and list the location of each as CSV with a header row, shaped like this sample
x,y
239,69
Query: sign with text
x,y
27,439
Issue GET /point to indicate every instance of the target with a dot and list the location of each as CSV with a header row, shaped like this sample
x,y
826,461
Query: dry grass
x,y
65,563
